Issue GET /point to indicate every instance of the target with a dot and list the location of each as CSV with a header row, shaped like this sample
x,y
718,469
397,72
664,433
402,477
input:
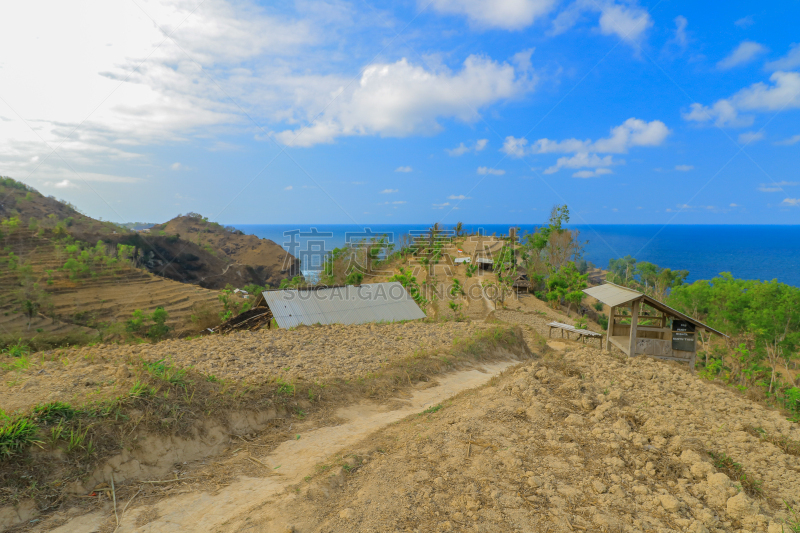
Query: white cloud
x,y
389,191
794,139
458,197
492,171
175,166
403,169
746,52
627,21
441,206
502,14
788,62
749,137
288,188
580,160
684,168
462,148
733,205
782,94
681,38
63,184
745,22
793,202
398,202
777,186
400,99
592,173
633,132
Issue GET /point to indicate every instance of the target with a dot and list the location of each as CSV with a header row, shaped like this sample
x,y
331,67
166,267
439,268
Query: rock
x,y
670,503
775,527
346,513
598,486
690,457
741,506
574,420
697,527
123,372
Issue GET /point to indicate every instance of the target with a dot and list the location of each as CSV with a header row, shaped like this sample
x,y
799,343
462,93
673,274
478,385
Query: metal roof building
x,y
374,302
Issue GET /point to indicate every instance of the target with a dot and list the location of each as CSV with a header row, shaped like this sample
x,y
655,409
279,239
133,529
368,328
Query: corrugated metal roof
x,y
613,295
373,302
459,260
610,292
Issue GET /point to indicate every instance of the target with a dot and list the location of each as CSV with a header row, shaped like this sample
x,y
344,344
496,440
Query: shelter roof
x,y
614,295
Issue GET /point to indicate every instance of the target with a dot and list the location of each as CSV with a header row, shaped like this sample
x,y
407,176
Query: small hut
x,y
655,329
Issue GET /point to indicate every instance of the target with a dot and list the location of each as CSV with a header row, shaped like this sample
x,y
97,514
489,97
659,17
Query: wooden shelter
x,y
659,331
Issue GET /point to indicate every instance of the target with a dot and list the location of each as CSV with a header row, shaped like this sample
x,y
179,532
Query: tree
x,y
567,285
552,246
409,282
459,229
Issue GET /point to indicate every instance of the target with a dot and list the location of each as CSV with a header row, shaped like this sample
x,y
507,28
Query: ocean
x,y
747,251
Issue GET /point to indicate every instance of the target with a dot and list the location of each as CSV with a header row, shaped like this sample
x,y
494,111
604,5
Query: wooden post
x,y
634,322
610,329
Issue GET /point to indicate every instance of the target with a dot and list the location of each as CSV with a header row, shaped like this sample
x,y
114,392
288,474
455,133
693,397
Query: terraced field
x,y
108,295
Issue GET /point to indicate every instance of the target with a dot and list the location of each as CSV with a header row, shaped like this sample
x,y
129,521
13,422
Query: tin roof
x,y
615,295
374,302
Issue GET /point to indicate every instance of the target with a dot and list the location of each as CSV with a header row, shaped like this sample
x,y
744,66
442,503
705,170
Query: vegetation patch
x,y
786,445
725,464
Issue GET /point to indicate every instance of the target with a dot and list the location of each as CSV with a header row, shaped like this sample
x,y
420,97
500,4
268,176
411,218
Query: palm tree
x,y
459,229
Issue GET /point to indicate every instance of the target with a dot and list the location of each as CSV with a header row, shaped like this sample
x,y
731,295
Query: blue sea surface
x,y
750,252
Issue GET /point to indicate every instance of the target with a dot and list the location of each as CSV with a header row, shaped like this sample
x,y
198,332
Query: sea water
x,y
762,252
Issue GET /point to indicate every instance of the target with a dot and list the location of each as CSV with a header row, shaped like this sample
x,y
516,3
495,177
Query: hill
x,y
248,259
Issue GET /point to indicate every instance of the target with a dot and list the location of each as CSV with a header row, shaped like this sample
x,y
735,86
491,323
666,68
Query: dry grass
x,y
785,444
725,464
95,432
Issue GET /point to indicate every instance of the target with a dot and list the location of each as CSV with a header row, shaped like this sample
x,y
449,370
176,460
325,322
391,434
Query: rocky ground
x,y
577,441
311,353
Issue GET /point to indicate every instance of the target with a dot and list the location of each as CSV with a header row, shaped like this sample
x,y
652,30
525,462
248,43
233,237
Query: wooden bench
x,y
582,333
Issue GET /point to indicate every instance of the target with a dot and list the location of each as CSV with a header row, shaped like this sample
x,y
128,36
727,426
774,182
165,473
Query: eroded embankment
x,y
173,416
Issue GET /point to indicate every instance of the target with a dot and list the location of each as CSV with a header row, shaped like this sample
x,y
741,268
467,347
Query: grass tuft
x,y
725,464
16,436
53,412
166,371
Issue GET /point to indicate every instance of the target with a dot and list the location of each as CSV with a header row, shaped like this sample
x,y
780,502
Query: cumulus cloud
x,y
441,206
581,160
749,137
462,148
491,171
746,52
684,168
403,169
592,173
626,21
788,62
175,166
501,14
782,93
400,99
733,205
631,133
794,139
793,202
745,22
288,188
458,197
389,191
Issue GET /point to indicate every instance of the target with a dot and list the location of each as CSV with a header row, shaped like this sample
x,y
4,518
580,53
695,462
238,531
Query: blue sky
x,y
660,112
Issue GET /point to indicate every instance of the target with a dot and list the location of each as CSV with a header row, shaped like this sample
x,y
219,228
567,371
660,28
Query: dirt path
x,y
229,508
